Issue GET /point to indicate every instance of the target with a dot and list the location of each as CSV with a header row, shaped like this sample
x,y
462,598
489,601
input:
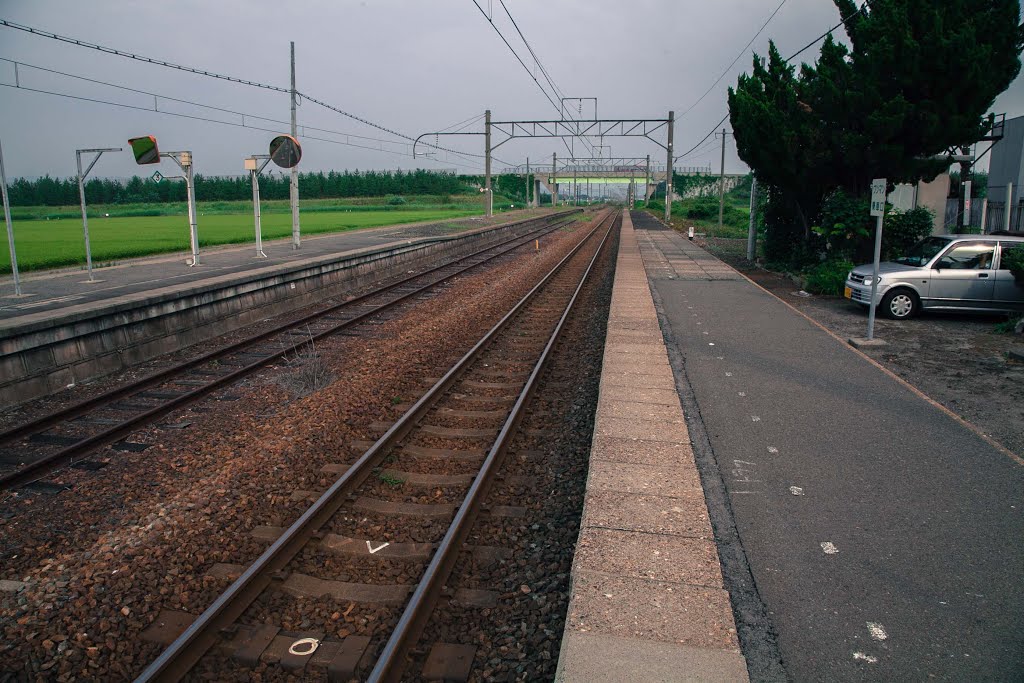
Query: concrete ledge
x,y
598,658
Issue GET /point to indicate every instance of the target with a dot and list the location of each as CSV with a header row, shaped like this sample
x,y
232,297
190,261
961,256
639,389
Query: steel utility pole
x,y
752,228
489,211
721,184
668,167
527,182
293,186
647,182
554,180
81,197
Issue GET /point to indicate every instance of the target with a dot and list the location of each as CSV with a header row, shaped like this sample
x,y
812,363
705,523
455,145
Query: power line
x,y
733,63
205,119
787,60
190,102
202,72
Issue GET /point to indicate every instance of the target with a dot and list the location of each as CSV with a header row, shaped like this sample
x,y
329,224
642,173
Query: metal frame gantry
x,y
571,128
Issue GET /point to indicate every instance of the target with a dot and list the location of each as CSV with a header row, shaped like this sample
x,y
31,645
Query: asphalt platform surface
x,y
884,538
47,291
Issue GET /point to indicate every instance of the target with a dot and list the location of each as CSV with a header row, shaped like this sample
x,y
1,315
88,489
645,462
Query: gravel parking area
x,y
957,359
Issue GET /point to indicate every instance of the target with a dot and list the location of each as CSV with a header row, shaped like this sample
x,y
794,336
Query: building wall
x,y
1007,165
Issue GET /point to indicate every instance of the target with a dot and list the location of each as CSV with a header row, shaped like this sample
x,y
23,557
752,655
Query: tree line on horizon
x,y
47,191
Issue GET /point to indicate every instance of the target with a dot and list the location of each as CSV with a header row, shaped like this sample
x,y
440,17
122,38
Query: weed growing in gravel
x,y
1009,326
310,371
396,400
390,479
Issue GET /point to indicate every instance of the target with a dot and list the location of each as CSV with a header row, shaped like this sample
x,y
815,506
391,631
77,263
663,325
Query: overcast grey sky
x,y
410,65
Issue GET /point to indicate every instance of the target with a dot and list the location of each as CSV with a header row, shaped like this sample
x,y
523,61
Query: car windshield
x,y
922,252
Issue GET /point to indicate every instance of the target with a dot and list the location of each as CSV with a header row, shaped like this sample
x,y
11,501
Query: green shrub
x,y
903,229
845,224
396,201
828,277
1014,260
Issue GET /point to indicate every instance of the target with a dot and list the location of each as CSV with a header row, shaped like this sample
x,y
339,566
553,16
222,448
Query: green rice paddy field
x,y
42,243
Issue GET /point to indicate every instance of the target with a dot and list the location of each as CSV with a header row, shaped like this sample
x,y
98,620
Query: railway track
x,y
409,500
28,452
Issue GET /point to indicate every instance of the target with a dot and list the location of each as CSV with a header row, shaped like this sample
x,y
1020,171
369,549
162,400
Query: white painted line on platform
x,y
877,631
829,548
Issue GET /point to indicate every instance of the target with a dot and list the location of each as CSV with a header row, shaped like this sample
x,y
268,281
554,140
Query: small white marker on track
x,y
829,548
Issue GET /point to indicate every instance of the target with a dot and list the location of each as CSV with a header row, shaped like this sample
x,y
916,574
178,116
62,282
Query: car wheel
x,y
900,304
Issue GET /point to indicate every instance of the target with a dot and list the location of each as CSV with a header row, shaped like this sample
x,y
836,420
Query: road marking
x,y
773,450
877,631
705,332
755,418
743,393
728,374
720,357
377,549
829,548
867,658
796,490
711,343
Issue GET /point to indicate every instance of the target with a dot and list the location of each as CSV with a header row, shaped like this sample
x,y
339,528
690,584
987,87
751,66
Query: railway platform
x,y
66,329
648,600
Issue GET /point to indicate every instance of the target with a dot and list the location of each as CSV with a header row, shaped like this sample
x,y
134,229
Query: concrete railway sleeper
x,y
68,436
452,442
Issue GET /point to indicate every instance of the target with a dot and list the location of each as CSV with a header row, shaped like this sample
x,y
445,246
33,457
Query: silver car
x,y
947,272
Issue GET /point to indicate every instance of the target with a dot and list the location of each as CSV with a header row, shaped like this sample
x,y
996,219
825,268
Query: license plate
x,y
848,293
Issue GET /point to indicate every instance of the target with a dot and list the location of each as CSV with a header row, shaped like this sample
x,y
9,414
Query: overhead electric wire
x,y
210,74
733,63
788,59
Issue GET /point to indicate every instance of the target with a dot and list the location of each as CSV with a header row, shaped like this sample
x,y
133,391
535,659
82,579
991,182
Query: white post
x,y
256,212
85,218
193,229
878,192
1009,207
984,214
10,228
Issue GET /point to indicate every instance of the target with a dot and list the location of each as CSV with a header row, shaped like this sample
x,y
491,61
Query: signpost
x,y
878,186
286,152
81,196
967,203
146,151
10,228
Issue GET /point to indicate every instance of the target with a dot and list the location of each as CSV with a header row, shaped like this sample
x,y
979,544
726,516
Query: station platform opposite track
x,y
66,329
648,601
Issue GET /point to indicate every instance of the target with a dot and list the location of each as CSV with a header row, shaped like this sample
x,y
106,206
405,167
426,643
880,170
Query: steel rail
x,y
188,648
85,406
30,472
391,662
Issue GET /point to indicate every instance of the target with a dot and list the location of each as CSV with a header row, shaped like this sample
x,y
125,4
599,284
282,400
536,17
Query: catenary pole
x,y
527,182
554,180
752,228
293,185
487,164
668,167
647,182
10,227
721,185
81,197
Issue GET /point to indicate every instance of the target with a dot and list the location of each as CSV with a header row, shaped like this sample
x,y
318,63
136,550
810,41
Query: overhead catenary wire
x,y
788,59
210,74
